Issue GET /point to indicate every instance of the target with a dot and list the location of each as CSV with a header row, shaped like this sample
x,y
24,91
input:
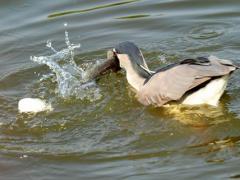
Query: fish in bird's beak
x,y
113,60
108,65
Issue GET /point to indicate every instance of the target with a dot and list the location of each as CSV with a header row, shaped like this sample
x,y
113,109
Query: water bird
x,y
192,81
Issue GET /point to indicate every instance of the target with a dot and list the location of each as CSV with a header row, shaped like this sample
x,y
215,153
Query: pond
x,y
109,135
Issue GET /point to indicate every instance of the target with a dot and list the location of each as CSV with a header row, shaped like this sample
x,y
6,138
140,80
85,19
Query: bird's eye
x,y
115,51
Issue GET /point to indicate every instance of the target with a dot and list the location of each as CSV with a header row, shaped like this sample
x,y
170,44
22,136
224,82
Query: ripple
x,y
207,31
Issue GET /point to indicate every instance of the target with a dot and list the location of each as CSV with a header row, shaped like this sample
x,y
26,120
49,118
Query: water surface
x,y
114,137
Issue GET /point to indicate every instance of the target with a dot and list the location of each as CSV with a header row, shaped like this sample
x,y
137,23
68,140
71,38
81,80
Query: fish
x,y
110,64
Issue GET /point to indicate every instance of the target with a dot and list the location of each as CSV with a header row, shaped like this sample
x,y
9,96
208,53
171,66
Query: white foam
x,y
34,105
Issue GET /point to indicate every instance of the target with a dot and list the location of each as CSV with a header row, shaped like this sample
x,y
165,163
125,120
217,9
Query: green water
x,y
115,137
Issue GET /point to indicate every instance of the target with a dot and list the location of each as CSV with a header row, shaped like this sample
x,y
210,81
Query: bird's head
x,y
129,56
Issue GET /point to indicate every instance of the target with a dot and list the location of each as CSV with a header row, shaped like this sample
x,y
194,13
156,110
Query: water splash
x,y
71,79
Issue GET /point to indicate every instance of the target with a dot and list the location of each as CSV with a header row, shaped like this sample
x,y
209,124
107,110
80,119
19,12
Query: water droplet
x,y
69,77
49,45
23,156
162,58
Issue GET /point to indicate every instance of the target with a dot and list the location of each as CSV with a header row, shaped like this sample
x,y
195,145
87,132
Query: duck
x,y
191,81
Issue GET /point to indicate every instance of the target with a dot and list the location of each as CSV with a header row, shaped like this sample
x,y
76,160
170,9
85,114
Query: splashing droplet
x,y
70,78
49,45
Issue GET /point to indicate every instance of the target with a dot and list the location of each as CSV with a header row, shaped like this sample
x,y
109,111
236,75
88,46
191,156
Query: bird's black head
x,y
128,51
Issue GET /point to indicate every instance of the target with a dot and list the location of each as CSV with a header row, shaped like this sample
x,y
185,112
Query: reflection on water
x,y
113,137
196,116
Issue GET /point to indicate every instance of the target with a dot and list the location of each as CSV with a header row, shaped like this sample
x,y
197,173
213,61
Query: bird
x,y
192,81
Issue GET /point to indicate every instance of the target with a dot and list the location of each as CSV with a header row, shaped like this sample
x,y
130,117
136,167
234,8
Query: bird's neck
x,y
134,79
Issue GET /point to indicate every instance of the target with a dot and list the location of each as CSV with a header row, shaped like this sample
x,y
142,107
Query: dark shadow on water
x,y
235,176
137,16
64,13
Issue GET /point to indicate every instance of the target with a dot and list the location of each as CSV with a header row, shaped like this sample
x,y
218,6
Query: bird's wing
x,y
172,84
224,61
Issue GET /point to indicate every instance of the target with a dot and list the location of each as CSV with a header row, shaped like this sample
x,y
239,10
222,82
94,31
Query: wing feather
x,y
172,84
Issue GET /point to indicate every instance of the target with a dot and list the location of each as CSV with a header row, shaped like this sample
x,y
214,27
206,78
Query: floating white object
x,y
27,105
